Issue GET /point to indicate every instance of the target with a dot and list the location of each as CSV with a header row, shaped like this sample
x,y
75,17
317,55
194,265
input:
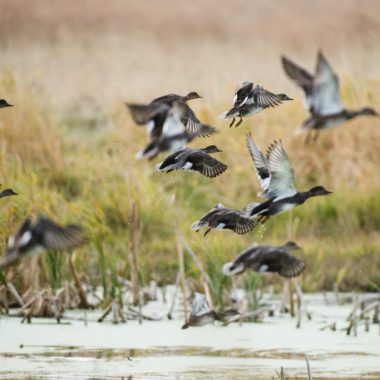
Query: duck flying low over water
x,y
322,96
4,104
266,258
7,193
195,159
201,314
143,114
249,100
39,234
277,180
223,218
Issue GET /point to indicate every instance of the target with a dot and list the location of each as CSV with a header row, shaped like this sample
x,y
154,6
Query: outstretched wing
x,y
60,238
199,305
282,182
260,163
326,97
301,77
264,98
242,95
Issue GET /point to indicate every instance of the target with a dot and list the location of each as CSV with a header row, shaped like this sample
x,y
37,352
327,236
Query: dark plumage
x,y
4,104
277,180
249,100
194,159
7,193
266,258
223,218
322,96
42,233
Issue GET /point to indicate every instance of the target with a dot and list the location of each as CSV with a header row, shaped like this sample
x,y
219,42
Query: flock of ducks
x,y
172,124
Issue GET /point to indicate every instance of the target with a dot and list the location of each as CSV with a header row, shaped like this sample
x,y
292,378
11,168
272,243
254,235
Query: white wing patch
x,y
25,238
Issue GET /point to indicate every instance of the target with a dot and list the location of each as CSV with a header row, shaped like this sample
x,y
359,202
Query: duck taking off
x,y
322,96
197,159
266,258
166,127
40,234
277,180
201,314
249,100
223,218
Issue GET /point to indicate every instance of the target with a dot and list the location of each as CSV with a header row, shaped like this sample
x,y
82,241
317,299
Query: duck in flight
x,y
266,258
322,96
195,159
277,180
41,234
201,313
168,126
144,114
223,218
249,100
4,104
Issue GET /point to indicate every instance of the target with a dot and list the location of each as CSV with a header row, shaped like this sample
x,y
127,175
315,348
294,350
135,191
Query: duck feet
x,y
232,122
239,122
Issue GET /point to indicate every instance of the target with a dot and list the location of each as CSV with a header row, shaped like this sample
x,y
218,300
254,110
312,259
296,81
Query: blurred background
x,y
68,145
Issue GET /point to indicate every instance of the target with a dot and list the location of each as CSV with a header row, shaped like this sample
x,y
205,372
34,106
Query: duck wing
x,y
289,265
261,164
264,98
243,224
326,97
206,164
301,77
167,99
282,181
193,125
59,238
199,305
243,94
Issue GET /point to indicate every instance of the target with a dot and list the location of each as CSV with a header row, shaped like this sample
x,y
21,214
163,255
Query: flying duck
x,y
277,180
7,193
40,234
266,258
4,104
142,114
197,159
249,100
166,128
223,218
322,96
201,314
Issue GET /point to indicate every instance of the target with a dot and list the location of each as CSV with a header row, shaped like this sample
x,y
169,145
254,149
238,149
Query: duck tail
x,y
199,225
229,114
150,152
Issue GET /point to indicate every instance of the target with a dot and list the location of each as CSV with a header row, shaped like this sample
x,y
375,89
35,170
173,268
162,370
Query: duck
x,y
277,180
195,159
201,313
142,114
7,193
4,104
267,258
223,218
170,134
37,235
249,100
322,96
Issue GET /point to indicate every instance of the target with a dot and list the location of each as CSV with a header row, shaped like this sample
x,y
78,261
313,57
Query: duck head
x,y
191,95
290,245
212,149
7,193
284,97
4,103
318,190
368,111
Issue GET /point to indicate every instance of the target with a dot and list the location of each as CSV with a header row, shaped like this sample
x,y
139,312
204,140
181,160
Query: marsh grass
x,y
91,178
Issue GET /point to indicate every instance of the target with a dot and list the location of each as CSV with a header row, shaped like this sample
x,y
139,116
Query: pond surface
x,y
161,350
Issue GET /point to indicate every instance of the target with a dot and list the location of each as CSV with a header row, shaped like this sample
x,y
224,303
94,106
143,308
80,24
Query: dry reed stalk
x,y
308,368
133,255
82,295
170,312
291,300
